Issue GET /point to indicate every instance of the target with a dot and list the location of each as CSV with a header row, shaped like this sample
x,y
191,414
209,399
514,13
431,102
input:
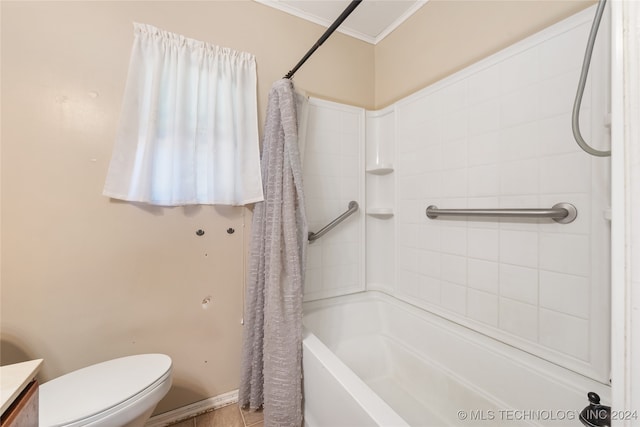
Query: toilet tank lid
x,y
97,388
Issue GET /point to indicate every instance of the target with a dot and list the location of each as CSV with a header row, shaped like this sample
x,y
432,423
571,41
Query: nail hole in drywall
x,y
205,302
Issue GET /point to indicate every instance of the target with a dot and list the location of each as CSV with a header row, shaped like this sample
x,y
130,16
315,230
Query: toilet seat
x,y
90,394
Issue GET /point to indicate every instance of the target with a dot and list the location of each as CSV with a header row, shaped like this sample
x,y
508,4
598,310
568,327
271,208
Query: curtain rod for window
x,y
325,36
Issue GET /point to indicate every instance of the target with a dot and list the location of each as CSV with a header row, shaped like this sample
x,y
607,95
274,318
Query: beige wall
x,y
85,279
445,36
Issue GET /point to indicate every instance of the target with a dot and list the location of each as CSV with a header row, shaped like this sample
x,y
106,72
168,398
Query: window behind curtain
x,y
188,130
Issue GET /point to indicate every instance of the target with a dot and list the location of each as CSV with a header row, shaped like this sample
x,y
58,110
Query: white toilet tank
x,y
118,392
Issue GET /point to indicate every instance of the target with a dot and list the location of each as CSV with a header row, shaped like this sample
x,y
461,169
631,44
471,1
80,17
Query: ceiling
x,y
371,21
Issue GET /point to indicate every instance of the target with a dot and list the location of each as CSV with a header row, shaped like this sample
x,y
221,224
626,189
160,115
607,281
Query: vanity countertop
x,y
14,378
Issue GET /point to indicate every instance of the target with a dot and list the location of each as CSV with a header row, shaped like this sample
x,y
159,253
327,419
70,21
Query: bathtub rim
x,y
362,394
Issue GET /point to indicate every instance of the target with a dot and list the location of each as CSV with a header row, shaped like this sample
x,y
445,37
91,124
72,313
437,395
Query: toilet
x,y
115,393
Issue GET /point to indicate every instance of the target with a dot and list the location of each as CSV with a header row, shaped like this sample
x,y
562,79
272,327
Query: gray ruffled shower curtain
x,y
272,342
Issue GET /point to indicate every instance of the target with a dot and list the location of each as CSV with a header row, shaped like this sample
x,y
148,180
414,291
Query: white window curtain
x,y
188,131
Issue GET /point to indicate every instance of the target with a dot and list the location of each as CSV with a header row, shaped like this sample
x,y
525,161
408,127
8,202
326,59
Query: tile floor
x,y
228,416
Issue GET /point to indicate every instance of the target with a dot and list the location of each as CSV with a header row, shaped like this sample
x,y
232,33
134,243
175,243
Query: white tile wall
x,y
333,169
519,248
498,134
454,297
483,275
519,283
519,319
564,333
565,293
482,307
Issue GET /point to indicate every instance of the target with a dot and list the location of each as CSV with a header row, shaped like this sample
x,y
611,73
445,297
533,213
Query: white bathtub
x,y
372,360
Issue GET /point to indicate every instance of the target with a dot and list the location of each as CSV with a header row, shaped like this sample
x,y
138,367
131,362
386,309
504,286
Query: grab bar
x,y
563,213
353,206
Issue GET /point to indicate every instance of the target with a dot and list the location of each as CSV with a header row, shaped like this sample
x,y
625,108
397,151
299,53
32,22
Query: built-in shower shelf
x,y
380,212
382,169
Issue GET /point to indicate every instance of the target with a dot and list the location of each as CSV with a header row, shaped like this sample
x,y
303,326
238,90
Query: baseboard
x,y
179,414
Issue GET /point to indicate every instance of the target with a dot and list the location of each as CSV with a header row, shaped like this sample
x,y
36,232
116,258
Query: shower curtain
x,y
272,342
302,113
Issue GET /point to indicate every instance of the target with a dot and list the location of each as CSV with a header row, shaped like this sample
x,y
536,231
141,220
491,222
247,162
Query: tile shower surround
x,y
332,173
495,135
499,136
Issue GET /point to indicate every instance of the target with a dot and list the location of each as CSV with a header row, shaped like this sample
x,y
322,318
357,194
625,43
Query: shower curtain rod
x,y
325,36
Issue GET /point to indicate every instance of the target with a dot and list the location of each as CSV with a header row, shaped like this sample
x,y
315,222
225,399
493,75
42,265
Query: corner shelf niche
x,y
382,213
380,184
381,169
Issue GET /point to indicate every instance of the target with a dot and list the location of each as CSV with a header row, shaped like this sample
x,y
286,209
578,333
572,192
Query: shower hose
x,y
575,116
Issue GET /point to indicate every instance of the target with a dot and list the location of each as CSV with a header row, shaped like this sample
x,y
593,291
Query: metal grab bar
x,y
563,213
353,207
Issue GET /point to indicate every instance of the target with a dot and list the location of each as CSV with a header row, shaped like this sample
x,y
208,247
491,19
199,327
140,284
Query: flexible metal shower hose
x,y
575,117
